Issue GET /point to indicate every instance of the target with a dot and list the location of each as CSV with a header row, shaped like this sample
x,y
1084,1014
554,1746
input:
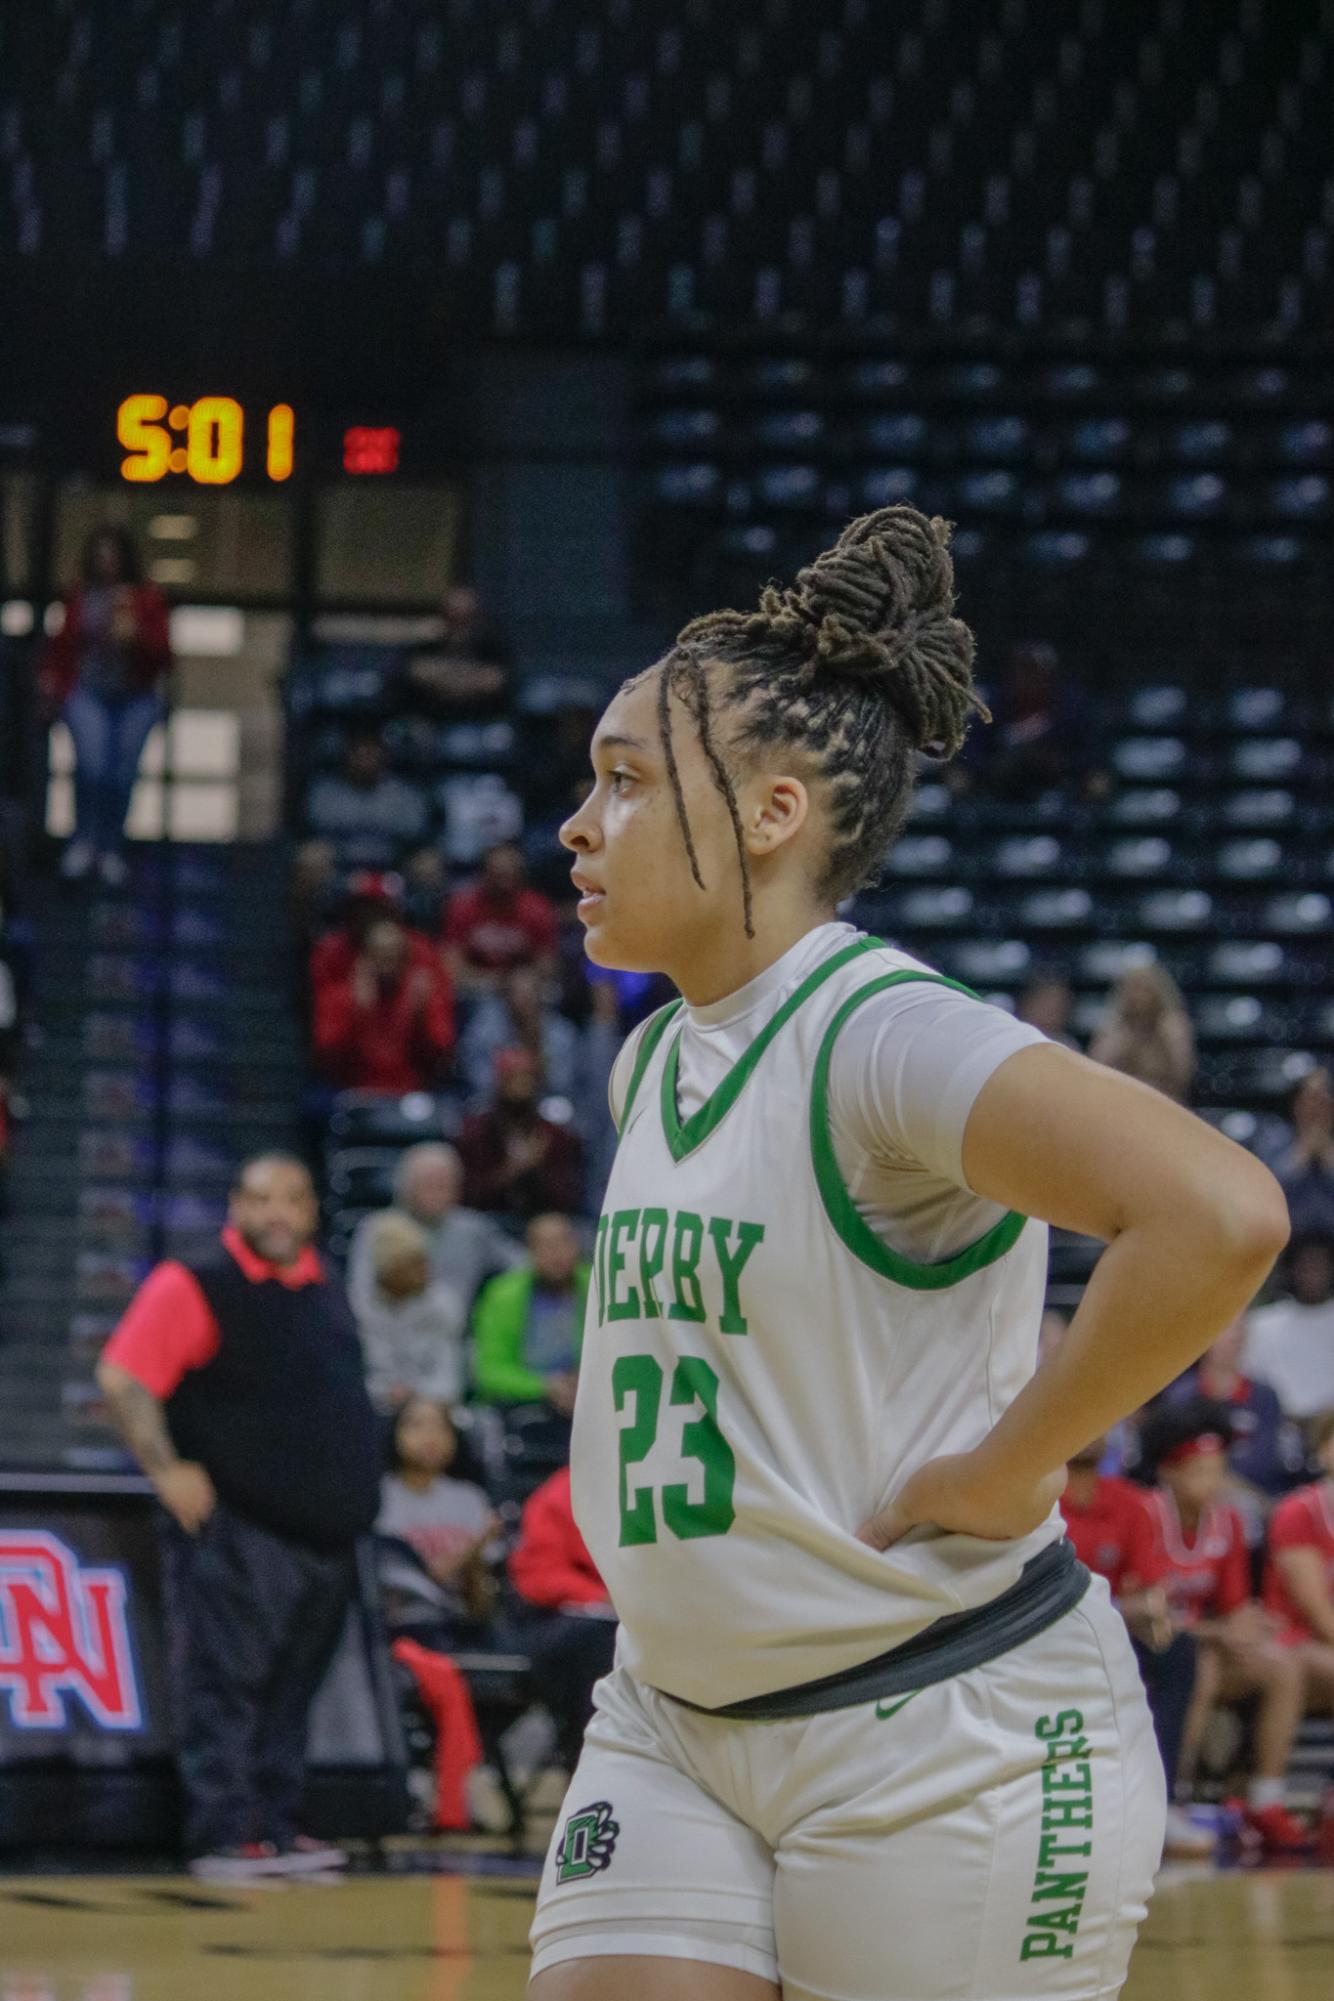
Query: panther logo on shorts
x,y
587,1843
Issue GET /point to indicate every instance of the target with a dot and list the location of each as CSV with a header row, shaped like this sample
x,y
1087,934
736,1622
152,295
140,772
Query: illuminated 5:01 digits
x,y
213,449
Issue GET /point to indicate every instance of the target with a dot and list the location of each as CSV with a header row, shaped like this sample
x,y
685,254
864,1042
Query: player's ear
x,y
773,810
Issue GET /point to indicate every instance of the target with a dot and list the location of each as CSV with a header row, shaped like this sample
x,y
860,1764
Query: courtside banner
x,y
82,1664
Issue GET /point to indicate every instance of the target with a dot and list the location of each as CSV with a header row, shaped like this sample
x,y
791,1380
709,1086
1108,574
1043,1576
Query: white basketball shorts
x,y
990,1838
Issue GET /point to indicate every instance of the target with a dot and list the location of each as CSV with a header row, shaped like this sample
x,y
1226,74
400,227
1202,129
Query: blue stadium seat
x,y
1148,758
1248,962
889,485
1266,760
1298,912
1138,859
1145,806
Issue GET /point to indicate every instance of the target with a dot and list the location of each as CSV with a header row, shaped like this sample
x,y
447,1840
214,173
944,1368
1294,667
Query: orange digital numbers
x,y
144,437
213,440
282,431
204,440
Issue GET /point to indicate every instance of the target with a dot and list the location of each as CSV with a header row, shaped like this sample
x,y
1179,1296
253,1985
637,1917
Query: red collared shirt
x,y
168,1327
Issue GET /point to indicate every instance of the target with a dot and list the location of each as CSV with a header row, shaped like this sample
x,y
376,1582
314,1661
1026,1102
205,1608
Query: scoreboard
x,y
215,440
270,499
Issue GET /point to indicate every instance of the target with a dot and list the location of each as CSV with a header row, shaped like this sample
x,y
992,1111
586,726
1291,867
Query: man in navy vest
x,y
237,1384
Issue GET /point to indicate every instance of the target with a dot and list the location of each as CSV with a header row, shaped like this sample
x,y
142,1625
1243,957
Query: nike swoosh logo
x,y
884,1710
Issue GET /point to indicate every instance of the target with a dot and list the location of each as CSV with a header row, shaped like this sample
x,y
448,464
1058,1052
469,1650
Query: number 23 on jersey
x,y
652,1265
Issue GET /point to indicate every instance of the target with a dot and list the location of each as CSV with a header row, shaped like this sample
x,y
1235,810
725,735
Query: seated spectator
x,y
1039,736
1147,1033
464,675
1045,1002
1290,1344
438,1594
1107,1520
449,1592
411,1324
570,1632
1299,1576
370,815
387,1025
1197,1553
465,1247
1266,1453
104,672
1301,1155
528,1324
499,924
518,1017
515,1162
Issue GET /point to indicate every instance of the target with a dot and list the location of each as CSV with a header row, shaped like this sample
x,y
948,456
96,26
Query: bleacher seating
x,y
580,169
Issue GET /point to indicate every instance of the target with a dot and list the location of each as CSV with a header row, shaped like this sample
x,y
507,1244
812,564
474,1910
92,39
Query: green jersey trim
x,y
683,1136
839,1206
654,1030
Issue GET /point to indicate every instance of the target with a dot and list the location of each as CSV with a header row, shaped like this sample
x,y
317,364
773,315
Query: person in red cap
x,y
1299,1573
1198,1554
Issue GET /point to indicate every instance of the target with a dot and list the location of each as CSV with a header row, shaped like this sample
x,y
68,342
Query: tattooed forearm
x,y
138,1417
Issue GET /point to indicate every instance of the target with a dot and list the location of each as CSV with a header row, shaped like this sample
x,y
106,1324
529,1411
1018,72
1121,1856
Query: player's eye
x,y
619,779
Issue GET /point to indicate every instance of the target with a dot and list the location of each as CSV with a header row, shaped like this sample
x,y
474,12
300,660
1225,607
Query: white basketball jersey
x,y
760,1373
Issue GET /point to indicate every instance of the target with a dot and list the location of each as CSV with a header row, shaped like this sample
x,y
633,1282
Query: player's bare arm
x,y
1193,1225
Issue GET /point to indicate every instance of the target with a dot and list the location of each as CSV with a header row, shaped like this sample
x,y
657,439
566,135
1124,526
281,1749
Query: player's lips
x,y
592,894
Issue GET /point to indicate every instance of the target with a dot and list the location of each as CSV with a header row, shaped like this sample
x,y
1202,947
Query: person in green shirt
x,y
528,1323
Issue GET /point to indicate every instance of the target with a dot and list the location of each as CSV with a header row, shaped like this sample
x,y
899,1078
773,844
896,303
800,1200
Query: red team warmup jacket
x,y
1113,1537
1133,1537
550,1565
1305,1520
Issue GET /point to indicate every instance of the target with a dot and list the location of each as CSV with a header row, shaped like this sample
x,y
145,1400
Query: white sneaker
x,y
1185,1841
256,1862
488,1809
76,861
308,1857
113,871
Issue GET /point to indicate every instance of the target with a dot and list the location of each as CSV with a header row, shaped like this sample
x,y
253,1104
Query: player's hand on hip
x,y
187,1493
958,1492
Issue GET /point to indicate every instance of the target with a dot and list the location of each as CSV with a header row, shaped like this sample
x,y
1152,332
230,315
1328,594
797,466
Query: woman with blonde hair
x,y
1146,1032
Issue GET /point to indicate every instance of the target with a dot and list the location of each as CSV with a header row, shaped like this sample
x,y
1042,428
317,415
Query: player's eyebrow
x,y
619,743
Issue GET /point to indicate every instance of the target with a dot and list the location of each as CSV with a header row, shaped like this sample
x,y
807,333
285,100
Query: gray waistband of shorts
x,y
1050,1585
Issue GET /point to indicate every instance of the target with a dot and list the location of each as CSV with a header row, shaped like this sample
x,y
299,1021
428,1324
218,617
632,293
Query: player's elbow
x,y
1247,1218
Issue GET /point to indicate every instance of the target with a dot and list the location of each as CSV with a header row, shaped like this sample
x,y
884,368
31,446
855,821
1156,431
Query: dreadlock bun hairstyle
x,y
860,664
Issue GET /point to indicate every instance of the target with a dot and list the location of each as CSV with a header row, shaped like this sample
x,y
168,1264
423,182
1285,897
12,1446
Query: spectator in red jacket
x,y
499,924
515,1162
1198,1554
388,1025
102,674
1108,1522
1299,1575
372,895
570,1630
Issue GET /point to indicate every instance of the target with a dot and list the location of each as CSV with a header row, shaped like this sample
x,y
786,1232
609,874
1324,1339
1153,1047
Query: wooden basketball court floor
x,y
1258,1936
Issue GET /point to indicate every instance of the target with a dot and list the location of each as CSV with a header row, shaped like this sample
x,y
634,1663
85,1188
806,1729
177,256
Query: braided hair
x,y
859,665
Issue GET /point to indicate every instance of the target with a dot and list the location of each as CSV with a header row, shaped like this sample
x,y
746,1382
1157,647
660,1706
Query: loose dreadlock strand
x,y
665,679
698,682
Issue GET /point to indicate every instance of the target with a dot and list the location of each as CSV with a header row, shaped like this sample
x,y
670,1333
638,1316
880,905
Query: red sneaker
x,y
1280,1832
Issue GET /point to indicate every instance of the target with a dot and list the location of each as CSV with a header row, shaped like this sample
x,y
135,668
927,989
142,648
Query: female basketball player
x,y
873,1735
